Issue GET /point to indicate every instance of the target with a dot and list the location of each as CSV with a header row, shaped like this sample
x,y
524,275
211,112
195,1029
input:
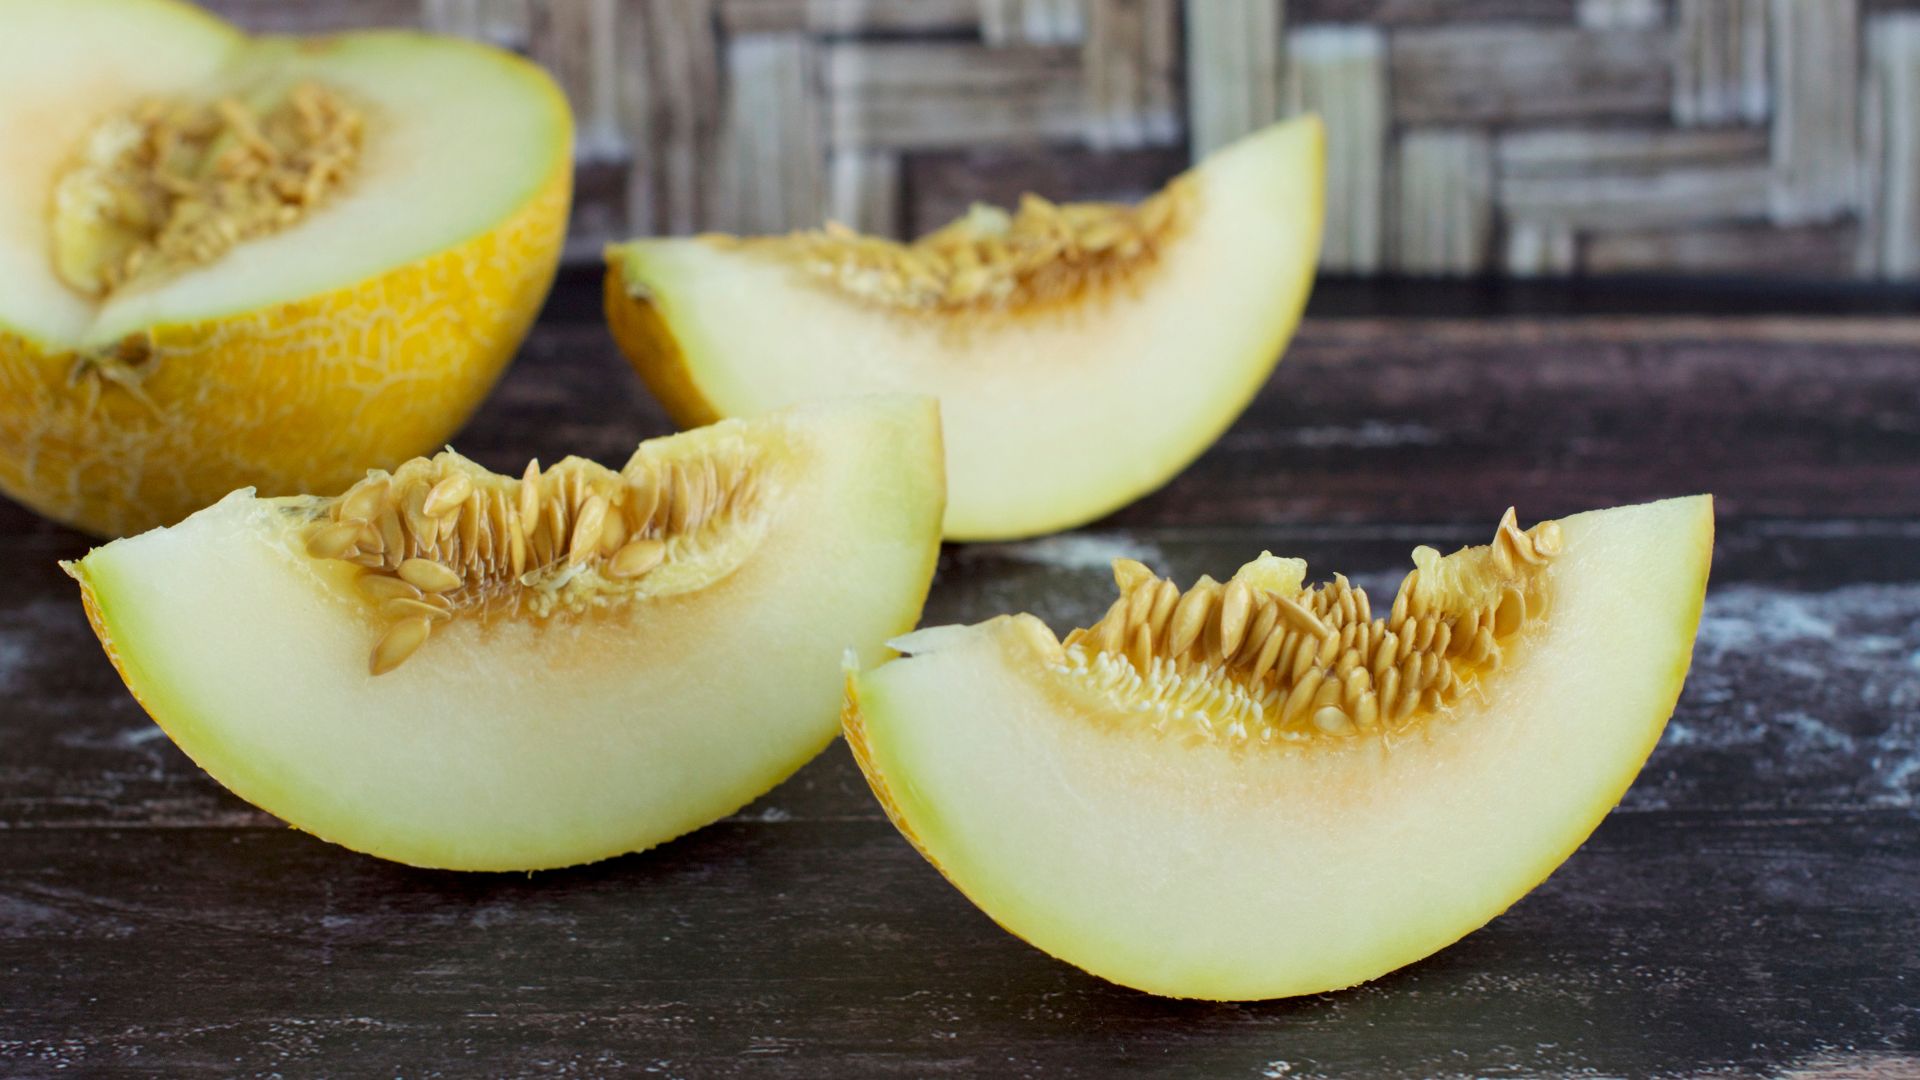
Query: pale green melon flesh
x,y
1054,417
459,137
1195,871
522,745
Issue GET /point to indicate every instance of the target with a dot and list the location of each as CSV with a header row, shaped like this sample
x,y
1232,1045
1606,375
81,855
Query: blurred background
x,y
1503,137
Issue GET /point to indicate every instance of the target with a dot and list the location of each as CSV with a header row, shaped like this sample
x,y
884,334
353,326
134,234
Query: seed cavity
x,y
1265,658
170,184
1043,253
443,539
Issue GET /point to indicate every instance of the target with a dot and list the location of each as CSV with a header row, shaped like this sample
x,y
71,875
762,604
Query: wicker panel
x,y
1468,136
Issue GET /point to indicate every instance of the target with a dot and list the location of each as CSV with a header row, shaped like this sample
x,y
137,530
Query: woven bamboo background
x,y
1527,137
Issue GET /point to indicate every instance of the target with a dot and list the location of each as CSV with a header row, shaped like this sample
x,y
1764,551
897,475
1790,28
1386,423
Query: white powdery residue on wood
x,y
1368,434
1443,220
1340,72
1890,241
1816,63
1234,69
1802,684
1071,551
29,636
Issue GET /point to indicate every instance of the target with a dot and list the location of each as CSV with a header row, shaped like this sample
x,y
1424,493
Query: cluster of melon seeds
x,y
170,185
1262,658
443,538
990,259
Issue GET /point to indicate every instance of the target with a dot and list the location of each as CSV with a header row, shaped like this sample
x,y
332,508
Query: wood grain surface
x,y
1752,910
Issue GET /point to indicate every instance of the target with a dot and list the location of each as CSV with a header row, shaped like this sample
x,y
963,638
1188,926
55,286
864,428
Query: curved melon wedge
x,y
608,696
1190,843
1107,348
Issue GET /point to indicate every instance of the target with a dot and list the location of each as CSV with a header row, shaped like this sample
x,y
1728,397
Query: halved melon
x,y
1082,354
456,669
269,261
1258,789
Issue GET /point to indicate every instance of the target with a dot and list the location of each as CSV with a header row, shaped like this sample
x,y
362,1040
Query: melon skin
x,y
521,747
1055,416
362,336
1204,872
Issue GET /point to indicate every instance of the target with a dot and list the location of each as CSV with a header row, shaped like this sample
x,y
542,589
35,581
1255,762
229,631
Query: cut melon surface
x,y
657,649
360,329
1082,354
1145,823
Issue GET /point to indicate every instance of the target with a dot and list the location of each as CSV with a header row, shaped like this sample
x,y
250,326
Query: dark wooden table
x,y
1753,909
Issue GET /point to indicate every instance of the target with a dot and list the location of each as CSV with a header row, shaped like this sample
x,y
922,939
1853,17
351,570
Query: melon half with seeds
x,y
1082,354
1258,789
456,669
231,261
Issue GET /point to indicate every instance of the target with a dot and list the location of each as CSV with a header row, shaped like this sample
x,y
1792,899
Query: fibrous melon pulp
x,y
1082,354
1258,789
271,261
456,669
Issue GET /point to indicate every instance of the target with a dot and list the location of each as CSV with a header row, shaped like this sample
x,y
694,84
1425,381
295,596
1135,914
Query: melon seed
x,y
401,640
428,576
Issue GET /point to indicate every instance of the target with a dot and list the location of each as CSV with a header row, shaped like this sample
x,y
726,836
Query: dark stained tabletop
x,y
1752,909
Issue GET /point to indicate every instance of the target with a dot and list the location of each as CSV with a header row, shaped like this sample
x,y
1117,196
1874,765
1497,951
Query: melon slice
x,y
272,261
1082,354
456,669
1257,789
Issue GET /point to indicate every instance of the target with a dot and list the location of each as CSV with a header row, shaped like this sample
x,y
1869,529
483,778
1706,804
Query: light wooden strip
x,y
1234,69
1539,248
770,159
506,23
850,16
1032,22
1128,64
332,16
1672,197
1815,121
1744,248
1720,63
1891,239
1503,74
579,43
671,96
1621,14
907,96
1583,151
1340,72
863,190
1444,187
